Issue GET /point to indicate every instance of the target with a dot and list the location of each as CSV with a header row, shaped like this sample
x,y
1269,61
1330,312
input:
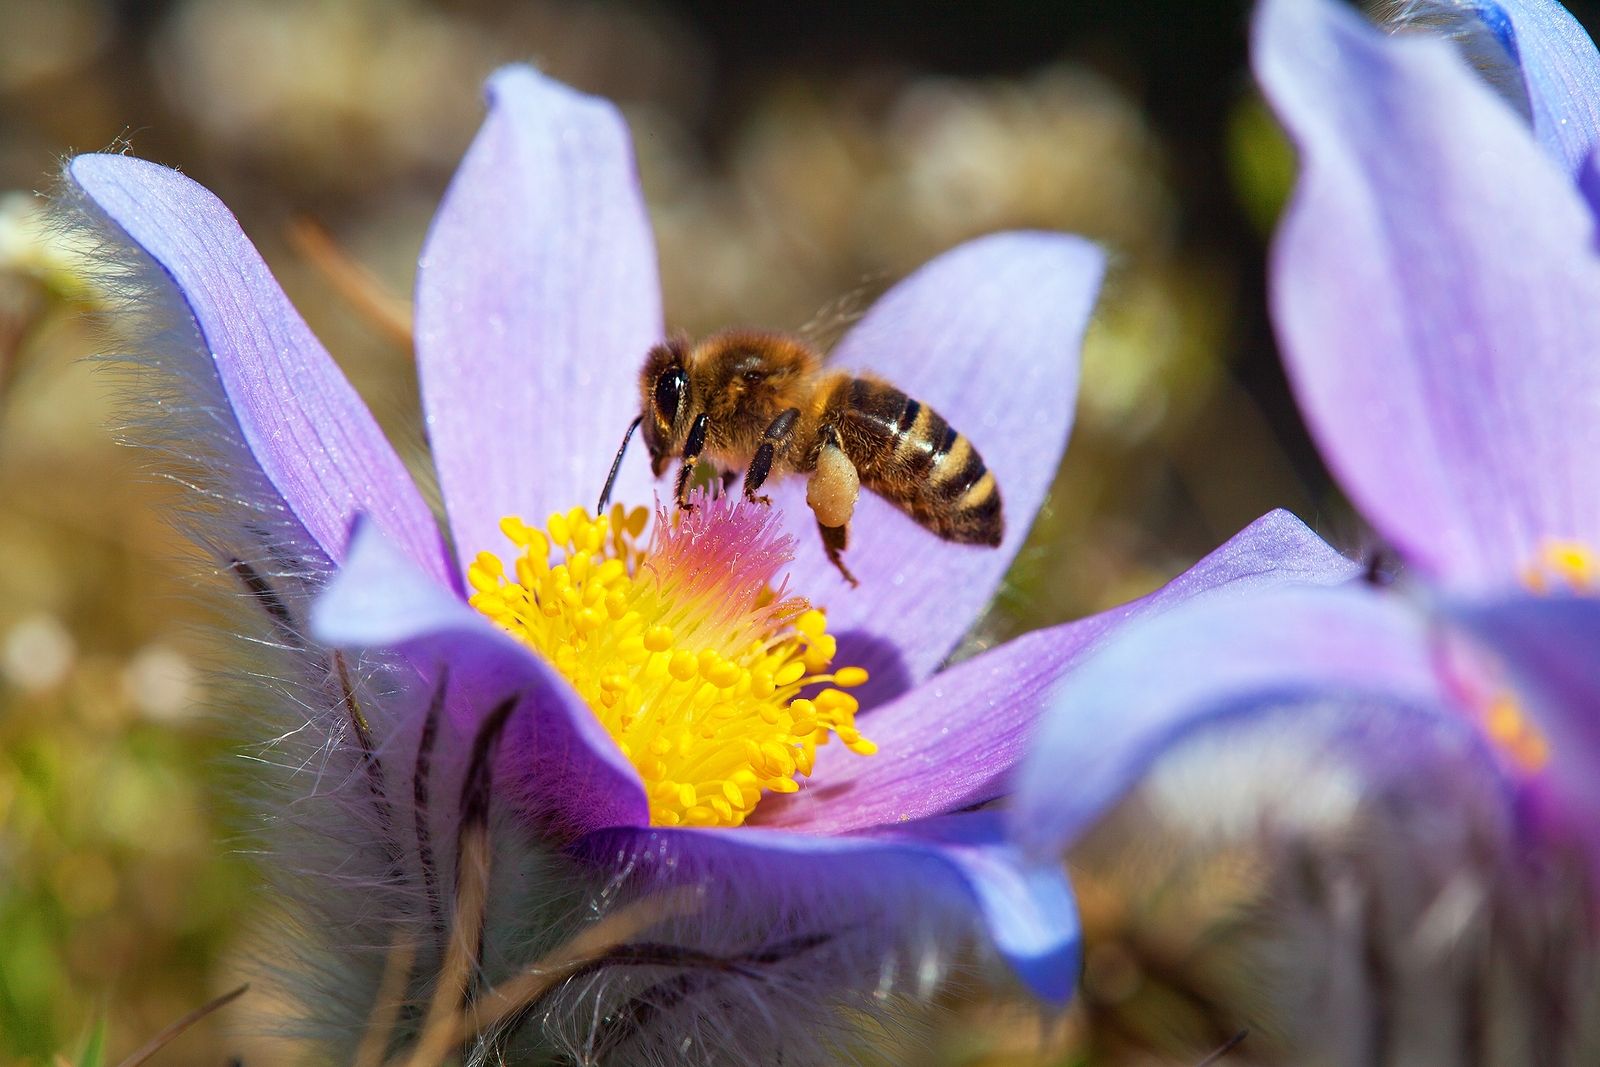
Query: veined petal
x,y
1433,289
1560,71
865,890
1211,661
953,741
302,423
565,767
537,298
989,335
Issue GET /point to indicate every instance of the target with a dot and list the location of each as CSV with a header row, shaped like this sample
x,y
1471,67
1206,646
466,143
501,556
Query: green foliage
x,y
94,1048
1261,161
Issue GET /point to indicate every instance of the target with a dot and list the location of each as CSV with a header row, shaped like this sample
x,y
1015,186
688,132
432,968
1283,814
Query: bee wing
x,y
828,324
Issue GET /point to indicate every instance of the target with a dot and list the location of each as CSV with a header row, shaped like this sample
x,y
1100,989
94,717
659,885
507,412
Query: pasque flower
x,y
1433,286
627,713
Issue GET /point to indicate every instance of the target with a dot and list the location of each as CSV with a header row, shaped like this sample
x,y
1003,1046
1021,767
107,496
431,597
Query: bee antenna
x,y
611,479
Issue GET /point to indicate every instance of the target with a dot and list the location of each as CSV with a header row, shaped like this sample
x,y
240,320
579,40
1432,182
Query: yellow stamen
x,y
1563,566
1508,727
681,649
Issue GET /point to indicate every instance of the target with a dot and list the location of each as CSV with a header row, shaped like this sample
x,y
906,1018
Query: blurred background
x,y
797,159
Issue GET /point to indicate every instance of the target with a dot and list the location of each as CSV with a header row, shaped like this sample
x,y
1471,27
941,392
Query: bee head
x,y
664,407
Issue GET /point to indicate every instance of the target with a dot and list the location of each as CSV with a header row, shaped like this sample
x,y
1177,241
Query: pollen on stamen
x,y
1563,567
682,647
1508,727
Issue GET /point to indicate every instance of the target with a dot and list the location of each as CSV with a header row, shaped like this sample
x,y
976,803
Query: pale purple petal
x,y
1434,291
566,767
1552,649
989,335
1560,73
298,416
1215,660
870,888
537,299
953,741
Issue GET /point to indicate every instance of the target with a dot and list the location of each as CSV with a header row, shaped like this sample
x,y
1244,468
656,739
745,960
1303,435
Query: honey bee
x,y
763,402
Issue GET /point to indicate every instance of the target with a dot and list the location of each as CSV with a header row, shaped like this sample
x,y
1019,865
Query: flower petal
x,y
989,335
953,741
1560,71
537,299
1365,653
1589,181
296,414
1554,644
871,890
566,767
1433,291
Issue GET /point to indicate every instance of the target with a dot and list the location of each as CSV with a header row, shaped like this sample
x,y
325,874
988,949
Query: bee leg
x,y
680,492
834,541
835,484
832,493
774,439
691,457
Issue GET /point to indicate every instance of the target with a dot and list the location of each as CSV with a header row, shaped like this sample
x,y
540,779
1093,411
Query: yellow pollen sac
x,y
1563,567
681,648
1514,735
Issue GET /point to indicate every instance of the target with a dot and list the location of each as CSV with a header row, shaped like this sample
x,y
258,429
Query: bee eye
x,y
669,393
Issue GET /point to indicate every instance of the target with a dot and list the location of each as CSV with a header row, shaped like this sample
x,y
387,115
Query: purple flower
x,y
1434,288
536,300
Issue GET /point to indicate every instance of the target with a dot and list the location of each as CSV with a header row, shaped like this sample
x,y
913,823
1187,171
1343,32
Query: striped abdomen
x,y
907,454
